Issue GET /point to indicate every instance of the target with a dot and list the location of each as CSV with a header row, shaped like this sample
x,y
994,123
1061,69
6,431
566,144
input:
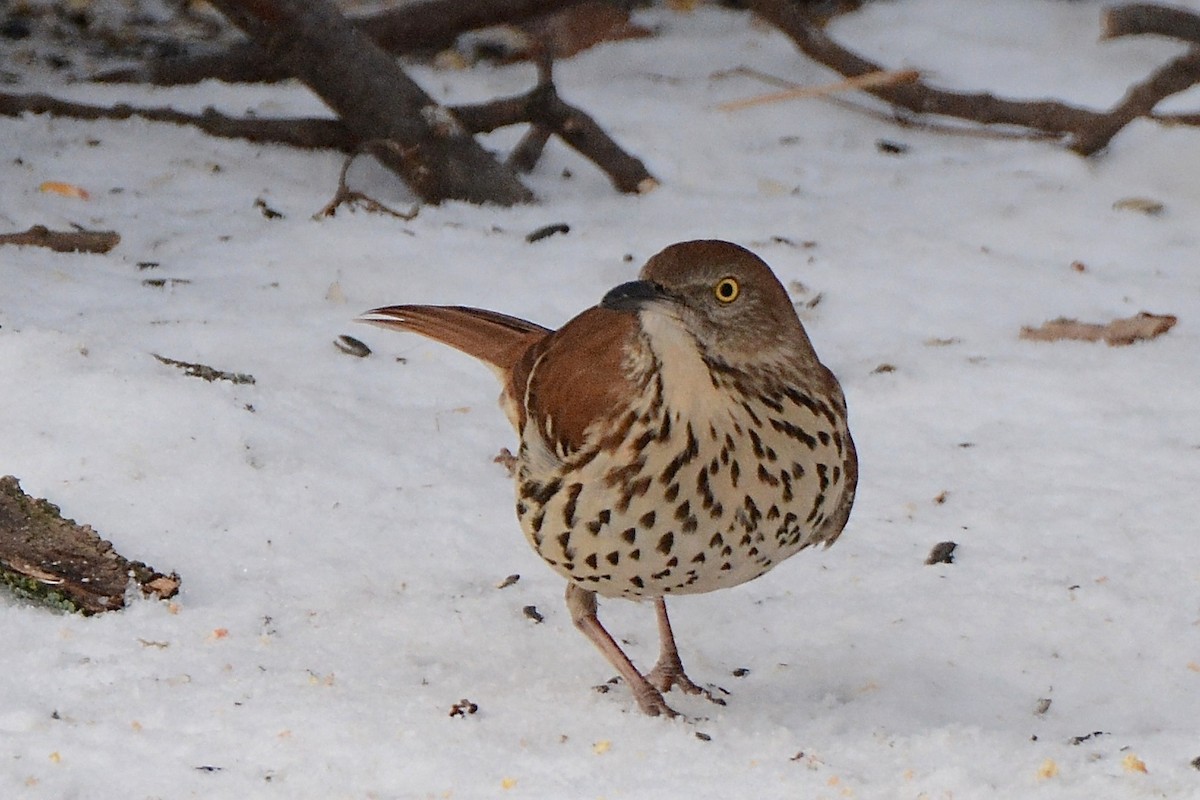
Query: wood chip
x,y
1119,332
942,553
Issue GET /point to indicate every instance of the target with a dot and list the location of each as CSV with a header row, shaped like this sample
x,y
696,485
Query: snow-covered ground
x,y
341,527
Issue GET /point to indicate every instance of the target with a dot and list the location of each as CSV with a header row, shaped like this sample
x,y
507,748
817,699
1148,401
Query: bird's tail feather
x,y
496,339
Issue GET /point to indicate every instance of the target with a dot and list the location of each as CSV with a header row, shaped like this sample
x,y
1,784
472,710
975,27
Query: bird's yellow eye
x,y
727,290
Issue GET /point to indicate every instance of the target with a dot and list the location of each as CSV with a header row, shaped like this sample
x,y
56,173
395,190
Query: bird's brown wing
x,y
578,375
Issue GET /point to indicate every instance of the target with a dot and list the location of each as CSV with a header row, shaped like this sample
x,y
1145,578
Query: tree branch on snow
x,y
541,107
429,25
375,99
80,241
1085,131
1150,19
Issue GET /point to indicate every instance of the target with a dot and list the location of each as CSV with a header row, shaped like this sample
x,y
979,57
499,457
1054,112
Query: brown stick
x,y
1173,77
541,107
64,241
1148,18
429,25
432,153
1085,131
309,133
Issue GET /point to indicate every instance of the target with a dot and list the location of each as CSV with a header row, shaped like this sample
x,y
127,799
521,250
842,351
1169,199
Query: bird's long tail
x,y
498,340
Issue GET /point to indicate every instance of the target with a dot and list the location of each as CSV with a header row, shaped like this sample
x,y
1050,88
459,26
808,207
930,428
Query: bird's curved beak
x,y
634,296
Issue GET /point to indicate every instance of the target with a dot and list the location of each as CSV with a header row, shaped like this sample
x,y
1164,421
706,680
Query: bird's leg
x,y
582,605
668,672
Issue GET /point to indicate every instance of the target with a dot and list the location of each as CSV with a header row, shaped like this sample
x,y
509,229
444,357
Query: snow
x,y
340,525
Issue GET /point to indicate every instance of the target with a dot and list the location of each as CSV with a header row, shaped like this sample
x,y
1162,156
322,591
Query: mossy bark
x,y
65,565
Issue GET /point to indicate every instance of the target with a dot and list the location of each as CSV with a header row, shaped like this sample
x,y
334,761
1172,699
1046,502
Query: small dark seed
x,y
532,613
351,346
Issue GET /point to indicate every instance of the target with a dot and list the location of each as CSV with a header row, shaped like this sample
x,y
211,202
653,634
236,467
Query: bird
x,y
679,437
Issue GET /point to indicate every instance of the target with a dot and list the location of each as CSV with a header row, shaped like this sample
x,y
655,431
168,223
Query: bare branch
x,y
1149,18
429,25
1084,130
375,99
64,241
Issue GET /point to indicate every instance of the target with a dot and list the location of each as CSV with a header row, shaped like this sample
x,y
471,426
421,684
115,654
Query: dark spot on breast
x,y
716,541
664,429
521,509
541,493
591,561
698,558
671,493
564,541
629,535
638,582
666,543
569,507
767,477
756,443
794,432
726,566
716,511
773,512
750,411
613,557
797,470
635,555
635,489
686,456
734,472
647,519
683,510
535,524
823,436
690,524
823,477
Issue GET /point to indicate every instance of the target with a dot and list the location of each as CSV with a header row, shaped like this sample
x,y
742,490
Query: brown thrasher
x,y
680,437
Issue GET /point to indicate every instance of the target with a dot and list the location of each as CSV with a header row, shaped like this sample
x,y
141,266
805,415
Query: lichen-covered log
x,y
66,565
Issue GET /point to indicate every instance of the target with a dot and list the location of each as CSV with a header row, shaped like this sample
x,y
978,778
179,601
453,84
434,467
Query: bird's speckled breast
x,y
706,480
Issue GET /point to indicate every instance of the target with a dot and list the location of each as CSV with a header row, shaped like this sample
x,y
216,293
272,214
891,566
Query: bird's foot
x,y
668,673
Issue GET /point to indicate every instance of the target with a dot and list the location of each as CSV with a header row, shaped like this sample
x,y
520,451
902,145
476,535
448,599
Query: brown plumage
x,y
680,437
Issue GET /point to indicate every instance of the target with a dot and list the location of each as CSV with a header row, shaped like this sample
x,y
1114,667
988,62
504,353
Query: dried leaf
x,y
64,189
1143,325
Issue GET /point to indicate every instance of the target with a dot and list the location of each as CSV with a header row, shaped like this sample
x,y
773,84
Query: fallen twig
x,y
1083,130
206,372
79,241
